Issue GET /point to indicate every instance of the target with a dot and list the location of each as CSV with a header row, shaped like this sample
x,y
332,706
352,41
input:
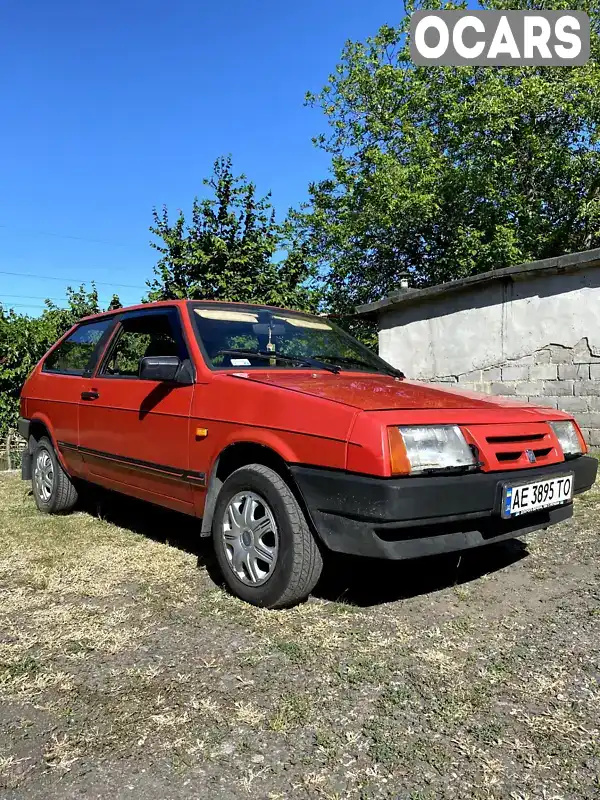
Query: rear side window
x,y
79,351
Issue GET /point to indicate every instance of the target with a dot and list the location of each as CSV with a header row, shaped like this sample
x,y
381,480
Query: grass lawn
x,y
126,672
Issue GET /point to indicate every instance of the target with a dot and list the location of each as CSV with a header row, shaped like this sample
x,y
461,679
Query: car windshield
x,y
262,338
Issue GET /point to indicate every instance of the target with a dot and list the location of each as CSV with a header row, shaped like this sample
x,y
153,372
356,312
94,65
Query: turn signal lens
x,y
399,463
582,442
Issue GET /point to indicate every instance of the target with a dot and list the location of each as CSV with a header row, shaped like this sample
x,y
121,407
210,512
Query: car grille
x,y
514,446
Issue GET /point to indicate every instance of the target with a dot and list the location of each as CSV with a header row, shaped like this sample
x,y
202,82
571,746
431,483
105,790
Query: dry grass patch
x,y
124,668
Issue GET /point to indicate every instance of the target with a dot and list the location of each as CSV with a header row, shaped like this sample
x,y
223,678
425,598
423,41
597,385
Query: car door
x,y
56,390
134,434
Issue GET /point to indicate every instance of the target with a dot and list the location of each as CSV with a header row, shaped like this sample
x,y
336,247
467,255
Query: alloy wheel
x,y
44,475
250,537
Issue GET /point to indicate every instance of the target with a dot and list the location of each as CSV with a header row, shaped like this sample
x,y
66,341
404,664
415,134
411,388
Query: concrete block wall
x,y
567,378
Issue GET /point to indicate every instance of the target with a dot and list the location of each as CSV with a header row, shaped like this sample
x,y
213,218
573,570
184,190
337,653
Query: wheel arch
x,y
239,454
40,426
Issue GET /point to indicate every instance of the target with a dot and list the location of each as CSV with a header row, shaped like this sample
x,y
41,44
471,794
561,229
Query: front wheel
x,y
267,553
53,490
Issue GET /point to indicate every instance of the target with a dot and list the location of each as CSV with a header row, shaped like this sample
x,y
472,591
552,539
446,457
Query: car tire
x,y
265,549
53,490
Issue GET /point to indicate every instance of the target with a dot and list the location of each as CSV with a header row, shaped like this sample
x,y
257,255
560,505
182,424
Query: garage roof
x,y
548,266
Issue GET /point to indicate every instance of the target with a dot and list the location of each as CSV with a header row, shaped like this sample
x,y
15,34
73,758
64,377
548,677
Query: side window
x,y
140,336
78,352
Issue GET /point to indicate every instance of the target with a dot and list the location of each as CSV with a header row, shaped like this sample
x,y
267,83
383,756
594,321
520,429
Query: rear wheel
x,y
53,490
267,553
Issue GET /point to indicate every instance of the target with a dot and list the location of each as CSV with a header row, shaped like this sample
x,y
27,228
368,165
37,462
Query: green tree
x,y
115,303
443,172
80,303
228,250
21,346
25,339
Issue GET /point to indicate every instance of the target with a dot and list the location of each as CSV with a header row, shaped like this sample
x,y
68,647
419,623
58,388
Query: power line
x,y
71,280
27,257
22,305
65,236
45,297
10,304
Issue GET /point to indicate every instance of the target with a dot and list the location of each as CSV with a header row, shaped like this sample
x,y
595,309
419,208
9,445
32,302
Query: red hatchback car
x,y
284,436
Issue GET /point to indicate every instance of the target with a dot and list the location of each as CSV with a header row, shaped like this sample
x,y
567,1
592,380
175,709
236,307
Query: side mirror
x,y
168,369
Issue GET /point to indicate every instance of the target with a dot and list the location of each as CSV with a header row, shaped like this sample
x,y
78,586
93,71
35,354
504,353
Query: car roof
x,y
181,303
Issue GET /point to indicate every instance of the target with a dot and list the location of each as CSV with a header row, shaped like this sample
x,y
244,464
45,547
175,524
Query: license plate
x,y
526,497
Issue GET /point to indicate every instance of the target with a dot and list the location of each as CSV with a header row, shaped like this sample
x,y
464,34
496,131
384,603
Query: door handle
x,y
93,395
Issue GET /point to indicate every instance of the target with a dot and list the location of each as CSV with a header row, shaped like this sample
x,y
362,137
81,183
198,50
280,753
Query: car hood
x,y
377,392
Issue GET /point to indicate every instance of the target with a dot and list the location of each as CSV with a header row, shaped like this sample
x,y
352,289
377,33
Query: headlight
x,y
568,437
419,448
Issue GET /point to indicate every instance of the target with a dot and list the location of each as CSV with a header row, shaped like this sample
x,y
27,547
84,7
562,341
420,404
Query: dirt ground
x,y
125,672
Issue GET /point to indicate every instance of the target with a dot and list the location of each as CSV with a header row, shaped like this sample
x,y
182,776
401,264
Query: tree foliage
x,y
228,249
442,172
25,339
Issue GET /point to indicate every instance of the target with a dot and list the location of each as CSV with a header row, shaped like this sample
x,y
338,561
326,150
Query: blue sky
x,y
110,108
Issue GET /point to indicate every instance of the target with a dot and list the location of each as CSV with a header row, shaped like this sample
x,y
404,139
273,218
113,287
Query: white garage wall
x,y
485,326
535,339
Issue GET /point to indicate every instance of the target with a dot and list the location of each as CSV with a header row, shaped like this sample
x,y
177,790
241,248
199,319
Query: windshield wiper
x,y
309,362
359,362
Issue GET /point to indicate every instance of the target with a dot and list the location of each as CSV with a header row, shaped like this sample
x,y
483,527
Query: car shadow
x,y
349,579
368,582
155,522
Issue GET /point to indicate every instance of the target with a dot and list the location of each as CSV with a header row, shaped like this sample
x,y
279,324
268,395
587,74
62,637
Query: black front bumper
x,y
401,518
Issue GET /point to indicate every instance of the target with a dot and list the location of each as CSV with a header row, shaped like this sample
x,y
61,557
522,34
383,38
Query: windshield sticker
x,y
226,316
240,362
301,322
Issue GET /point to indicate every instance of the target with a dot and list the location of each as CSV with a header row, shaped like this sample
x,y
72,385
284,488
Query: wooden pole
x,y
8,460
